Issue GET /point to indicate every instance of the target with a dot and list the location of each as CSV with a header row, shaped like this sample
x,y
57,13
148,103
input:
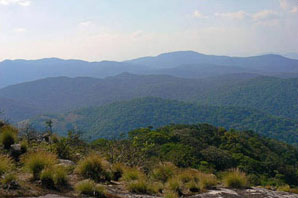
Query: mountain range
x,y
258,93
187,64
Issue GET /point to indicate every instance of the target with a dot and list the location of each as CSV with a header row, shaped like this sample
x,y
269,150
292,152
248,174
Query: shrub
x,y
60,176
285,188
85,187
175,185
62,148
37,161
141,186
99,191
235,179
207,181
157,187
24,146
132,174
117,171
8,179
188,175
6,164
193,186
94,167
47,178
190,180
54,177
170,194
8,136
164,171
90,188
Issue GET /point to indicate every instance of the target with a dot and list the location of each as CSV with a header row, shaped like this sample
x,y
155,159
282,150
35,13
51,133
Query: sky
x,y
118,30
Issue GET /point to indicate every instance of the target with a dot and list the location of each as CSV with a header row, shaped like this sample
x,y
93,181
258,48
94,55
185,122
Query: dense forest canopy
x,y
111,120
213,149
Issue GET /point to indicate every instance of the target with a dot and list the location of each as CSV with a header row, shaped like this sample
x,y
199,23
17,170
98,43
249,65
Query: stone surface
x,y
65,162
245,193
218,193
16,147
16,150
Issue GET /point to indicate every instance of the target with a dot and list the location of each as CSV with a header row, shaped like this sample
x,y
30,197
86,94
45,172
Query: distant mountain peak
x,y
187,52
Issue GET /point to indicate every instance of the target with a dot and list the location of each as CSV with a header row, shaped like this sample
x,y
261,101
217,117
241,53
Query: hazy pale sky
x,y
124,29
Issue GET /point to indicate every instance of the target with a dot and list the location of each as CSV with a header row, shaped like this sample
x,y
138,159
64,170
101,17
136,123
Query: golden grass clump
x,y
8,136
117,171
8,179
287,188
190,181
235,179
207,181
164,171
132,174
90,188
140,187
60,176
37,161
170,194
94,167
6,164
54,177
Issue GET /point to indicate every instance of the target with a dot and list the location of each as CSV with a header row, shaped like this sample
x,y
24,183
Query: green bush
x,y
141,187
175,185
54,177
24,146
62,148
99,191
170,194
164,171
9,179
94,167
36,161
287,188
207,181
6,164
132,174
47,178
190,180
187,175
90,188
193,186
235,179
60,176
117,171
8,136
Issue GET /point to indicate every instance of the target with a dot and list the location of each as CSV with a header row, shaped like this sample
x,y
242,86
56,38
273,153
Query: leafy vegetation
x,y
8,136
36,162
235,179
274,96
111,120
171,161
211,149
90,188
6,164
94,167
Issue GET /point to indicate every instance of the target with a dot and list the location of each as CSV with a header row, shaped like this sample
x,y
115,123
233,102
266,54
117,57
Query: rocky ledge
x,y
246,193
218,193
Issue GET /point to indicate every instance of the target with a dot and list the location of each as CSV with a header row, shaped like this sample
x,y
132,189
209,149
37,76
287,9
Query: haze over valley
x,y
152,99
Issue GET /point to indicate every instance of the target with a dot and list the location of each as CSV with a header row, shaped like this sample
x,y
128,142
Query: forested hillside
x,y
64,94
271,95
171,161
201,146
110,121
57,95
